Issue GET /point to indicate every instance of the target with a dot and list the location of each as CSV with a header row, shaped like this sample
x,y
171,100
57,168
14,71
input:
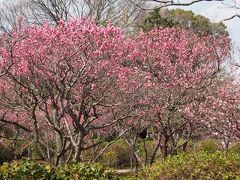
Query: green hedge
x,y
202,165
22,170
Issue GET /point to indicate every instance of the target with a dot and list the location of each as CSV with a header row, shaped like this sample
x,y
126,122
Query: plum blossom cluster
x,y
72,87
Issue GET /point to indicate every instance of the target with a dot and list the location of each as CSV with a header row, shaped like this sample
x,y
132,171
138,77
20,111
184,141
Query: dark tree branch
x,y
167,3
232,17
15,124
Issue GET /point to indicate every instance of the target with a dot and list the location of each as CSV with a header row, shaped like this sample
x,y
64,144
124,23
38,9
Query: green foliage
x,y
162,18
21,170
155,20
36,155
202,165
118,154
84,171
111,158
235,148
209,145
150,145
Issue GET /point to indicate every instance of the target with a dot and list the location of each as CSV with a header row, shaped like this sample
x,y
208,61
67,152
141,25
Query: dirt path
x,y
123,171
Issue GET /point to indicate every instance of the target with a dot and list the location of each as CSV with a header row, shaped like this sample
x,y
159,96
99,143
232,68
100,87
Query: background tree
x,y
121,13
181,18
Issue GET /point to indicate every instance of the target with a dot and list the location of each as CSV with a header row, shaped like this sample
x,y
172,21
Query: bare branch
x,y
167,3
232,17
15,124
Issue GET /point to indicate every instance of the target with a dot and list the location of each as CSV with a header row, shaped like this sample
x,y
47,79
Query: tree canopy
x,y
181,18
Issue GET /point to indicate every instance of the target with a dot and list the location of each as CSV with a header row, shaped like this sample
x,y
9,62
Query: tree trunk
x,y
77,153
165,147
146,153
156,149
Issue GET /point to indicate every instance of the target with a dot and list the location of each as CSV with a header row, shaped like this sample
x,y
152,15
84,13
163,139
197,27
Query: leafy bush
x,y
235,148
209,145
118,154
202,165
84,171
21,170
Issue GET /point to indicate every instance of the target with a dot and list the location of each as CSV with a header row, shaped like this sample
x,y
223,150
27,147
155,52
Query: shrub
x,y
209,145
21,170
202,165
84,171
235,148
118,154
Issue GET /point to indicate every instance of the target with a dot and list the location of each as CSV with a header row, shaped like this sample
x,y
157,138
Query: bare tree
x,y
121,13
